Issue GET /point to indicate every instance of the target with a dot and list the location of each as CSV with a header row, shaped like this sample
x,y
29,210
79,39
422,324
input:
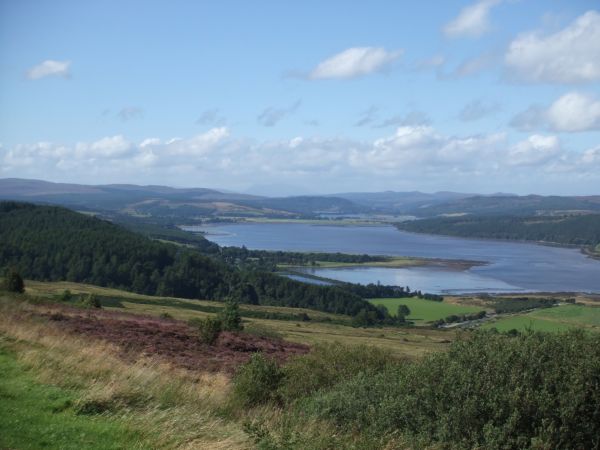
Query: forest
x,y
50,243
580,230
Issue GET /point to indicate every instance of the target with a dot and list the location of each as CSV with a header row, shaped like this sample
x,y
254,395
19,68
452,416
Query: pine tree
x,y
13,282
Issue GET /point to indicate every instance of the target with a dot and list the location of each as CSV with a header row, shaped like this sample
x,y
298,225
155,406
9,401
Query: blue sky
x,y
304,97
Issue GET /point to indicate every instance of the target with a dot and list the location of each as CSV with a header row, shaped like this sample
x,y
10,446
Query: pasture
x,y
424,311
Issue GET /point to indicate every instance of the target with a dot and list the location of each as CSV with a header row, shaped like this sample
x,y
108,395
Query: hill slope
x,y
52,243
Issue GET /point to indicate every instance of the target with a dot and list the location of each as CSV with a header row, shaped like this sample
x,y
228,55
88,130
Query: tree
x,y
230,316
403,310
13,282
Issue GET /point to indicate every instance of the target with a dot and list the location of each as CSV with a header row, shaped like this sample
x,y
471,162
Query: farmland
x,y
425,311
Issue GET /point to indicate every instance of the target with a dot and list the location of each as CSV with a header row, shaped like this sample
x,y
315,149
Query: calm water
x,y
512,267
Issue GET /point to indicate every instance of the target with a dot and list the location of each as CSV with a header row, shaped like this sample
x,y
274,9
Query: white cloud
x,y
534,150
412,155
572,112
571,55
50,68
472,21
355,62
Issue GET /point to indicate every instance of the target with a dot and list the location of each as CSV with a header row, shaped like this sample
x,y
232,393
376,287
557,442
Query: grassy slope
x,y
406,342
559,318
36,415
422,311
139,403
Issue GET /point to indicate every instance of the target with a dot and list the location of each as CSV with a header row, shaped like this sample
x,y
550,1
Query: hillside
x,y
53,243
167,202
527,205
581,230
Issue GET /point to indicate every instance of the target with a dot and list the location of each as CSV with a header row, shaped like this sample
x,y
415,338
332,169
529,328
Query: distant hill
x,y
190,204
512,205
162,201
401,201
581,230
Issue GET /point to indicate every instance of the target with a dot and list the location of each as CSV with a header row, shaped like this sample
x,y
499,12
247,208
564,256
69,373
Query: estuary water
x,y
510,266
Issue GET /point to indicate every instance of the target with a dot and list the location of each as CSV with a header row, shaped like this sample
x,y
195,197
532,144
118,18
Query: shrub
x,y
66,296
328,364
91,301
230,316
13,282
208,329
490,390
256,382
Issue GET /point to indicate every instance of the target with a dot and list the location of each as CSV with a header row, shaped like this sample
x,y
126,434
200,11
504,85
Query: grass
x,y
139,403
423,311
36,415
524,322
559,318
403,342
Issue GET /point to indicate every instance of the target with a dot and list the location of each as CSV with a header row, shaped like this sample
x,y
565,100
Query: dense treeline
x,y
519,304
52,243
572,230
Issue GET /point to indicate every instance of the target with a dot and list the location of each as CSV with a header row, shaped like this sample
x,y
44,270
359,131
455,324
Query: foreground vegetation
x,y
487,390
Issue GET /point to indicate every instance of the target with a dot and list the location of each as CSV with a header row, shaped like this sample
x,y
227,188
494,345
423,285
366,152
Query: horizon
x,y
485,96
300,194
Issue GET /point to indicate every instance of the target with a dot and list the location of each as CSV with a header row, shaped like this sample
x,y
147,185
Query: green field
x,y
559,318
35,415
422,311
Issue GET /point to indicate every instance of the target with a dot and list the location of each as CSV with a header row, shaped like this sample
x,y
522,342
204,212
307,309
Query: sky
x,y
283,98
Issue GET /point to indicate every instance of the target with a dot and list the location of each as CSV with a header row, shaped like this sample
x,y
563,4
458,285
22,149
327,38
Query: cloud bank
x,y
413,157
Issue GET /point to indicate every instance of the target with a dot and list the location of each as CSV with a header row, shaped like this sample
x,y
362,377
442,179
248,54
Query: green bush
x,y
230,316
256,382
328,364
208,329
493,391
13,282
90,301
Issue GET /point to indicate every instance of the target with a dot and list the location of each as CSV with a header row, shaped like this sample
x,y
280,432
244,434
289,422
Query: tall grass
x,y
176,408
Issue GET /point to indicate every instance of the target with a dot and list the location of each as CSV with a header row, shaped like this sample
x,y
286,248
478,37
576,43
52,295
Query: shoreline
x,y
393,262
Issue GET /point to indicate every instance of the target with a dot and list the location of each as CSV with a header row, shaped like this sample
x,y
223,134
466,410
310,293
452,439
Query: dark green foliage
x,y
493,391
208,329
66,296
574,230
518,304
326,365
455,318
13,282
256,382
51,243
230,316
90,301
